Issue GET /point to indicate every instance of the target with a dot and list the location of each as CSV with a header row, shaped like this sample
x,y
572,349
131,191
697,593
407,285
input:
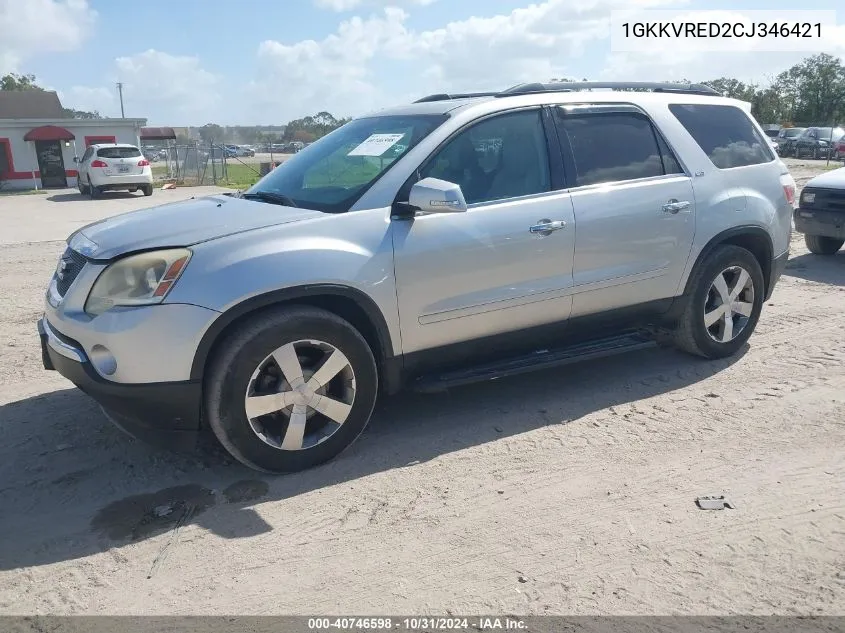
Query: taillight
x,y
789,192
98,163
143,162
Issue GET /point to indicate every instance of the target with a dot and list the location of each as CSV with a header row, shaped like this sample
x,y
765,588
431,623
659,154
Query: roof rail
x,y
572,86
449,97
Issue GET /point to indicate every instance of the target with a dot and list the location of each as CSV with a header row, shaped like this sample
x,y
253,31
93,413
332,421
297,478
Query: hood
x,y
180,224
831,180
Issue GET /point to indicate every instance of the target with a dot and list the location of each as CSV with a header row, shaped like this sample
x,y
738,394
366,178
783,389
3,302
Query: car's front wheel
x,y
821,245
724,304
290,389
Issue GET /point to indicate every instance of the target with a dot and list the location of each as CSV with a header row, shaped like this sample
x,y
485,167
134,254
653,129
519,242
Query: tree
x,y
733,88
820,82
70,113
313,127
14,81
211,132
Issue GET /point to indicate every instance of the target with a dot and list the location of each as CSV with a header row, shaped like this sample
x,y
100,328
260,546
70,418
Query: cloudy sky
x,y
190,62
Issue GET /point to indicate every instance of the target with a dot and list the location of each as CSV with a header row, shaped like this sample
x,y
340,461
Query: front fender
x,y
352,252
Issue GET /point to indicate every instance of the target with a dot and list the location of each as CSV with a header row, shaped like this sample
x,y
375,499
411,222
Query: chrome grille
x,y
68,269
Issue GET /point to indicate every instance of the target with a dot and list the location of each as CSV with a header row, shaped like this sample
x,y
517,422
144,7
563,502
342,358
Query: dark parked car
x,y
839,149
817,142
786,140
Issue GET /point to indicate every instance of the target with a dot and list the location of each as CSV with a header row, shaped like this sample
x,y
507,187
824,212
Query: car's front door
x,y
504,264
634,208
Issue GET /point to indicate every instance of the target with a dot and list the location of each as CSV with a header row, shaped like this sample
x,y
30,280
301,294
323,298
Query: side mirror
x,y
432,195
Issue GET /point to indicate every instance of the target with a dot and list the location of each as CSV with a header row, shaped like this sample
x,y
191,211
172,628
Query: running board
x,y
537,360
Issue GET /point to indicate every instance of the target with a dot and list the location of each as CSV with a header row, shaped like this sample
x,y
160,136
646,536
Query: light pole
x,y
120,92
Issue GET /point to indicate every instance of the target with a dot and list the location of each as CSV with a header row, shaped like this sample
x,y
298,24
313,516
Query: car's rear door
x,y
633,203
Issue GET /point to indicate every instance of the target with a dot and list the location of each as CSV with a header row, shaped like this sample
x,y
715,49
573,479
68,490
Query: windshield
x,y
331,174
826,133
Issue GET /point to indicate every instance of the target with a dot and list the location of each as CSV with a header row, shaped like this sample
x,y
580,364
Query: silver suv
x,y
457,239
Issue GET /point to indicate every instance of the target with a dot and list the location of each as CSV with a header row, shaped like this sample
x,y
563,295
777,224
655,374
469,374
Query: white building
x,y
38,145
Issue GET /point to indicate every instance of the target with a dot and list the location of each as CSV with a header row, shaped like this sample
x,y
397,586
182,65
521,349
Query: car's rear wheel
x,y
93,192
147,189
290,389
821,245
724,304
82,188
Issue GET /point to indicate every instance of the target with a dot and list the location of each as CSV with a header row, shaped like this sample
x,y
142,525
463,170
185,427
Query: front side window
x,y
501,157
615,147
725,133
331,174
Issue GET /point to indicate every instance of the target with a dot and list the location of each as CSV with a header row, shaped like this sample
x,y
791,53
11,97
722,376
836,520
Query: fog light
x,y
103,360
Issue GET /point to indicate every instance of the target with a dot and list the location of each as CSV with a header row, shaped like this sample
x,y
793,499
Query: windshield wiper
x,y
269,196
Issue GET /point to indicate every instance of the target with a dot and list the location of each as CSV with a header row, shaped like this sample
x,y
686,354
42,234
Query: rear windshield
x,y
119,152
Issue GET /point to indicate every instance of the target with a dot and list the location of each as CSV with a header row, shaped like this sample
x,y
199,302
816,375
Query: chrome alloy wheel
x,y
729,304
300,395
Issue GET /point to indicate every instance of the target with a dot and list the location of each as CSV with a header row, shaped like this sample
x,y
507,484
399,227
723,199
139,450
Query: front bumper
x,y
166,413
820,222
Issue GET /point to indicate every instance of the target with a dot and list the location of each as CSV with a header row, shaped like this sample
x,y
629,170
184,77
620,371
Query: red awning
x,y
157,133
48,133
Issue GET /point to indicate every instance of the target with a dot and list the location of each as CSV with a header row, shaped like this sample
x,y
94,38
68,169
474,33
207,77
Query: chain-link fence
x,y
207,164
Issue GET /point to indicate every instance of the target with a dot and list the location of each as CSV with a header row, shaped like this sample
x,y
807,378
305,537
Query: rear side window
x,y
118,152
615,147
725,133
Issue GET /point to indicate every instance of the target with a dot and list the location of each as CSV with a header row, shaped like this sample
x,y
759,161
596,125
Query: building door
x,y
51,164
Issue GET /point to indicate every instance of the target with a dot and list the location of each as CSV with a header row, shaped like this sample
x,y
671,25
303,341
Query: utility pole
x,y
120,91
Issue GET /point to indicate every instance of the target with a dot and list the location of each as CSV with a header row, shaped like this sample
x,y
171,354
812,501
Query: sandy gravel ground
x,y
564,492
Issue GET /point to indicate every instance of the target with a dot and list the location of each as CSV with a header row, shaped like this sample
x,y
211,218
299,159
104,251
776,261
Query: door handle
x,y
676,206
547,227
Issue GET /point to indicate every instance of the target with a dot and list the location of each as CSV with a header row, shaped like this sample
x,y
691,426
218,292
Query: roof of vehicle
x,y
98,145
579,92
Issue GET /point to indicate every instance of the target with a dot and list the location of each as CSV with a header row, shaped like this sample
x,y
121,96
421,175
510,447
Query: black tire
x,y
82,188
242,352
133,189
93,192
147,189
821,245
690,334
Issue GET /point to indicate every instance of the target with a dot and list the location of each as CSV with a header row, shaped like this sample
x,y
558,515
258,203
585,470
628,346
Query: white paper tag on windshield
x,y
376,145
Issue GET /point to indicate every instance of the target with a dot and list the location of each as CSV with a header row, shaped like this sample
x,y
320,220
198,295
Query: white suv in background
x,y
112,167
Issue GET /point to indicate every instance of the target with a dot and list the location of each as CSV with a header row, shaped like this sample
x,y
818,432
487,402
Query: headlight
x,y
143,279
808,197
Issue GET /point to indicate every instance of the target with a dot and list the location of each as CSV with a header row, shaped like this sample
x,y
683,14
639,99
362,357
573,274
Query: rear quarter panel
x,y
728,198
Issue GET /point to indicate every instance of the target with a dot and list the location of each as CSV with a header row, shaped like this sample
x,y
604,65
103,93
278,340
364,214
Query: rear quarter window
x,y
725,133
118,152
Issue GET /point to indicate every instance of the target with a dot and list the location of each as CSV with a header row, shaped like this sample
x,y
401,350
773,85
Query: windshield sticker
x,y
376,145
